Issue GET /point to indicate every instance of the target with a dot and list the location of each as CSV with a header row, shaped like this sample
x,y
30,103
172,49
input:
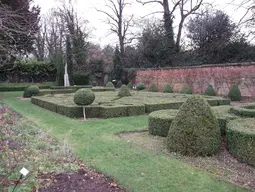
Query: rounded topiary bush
x,y
195,130
240,138
168,89
140,86
153,88
186,89
31,91
130,86
210,91
234,93
84,97
119,84
124,91
110,85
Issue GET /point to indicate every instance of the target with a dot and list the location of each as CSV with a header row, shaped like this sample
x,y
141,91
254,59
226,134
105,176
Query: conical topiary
x,y
130,86
168,89
186,89
124,91
235,93
153,88
110,85
195,130
210,91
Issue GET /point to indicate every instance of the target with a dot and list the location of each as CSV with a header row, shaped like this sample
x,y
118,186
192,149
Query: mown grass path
x,y
134,168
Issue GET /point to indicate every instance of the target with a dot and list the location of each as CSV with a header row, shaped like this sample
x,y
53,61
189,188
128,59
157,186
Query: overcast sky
x,y
100,32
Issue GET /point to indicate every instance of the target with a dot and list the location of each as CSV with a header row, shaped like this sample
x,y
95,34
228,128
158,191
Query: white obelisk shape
x,y
66,78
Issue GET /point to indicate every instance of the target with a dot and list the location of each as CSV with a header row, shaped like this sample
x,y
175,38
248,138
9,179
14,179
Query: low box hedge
x,y
244,111
71,87
150,107
241,139
160,121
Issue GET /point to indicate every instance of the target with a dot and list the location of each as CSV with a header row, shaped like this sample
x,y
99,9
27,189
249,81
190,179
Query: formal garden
x,y
126,139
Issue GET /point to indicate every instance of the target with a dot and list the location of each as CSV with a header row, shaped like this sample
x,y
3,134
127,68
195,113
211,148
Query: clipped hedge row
x,y
241,139
71,87
160,121
244,111
21,87
92,111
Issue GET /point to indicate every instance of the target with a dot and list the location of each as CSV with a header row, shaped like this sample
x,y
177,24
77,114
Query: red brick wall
x,y
221,77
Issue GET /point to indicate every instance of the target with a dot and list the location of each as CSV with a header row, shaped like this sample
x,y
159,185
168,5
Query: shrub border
x,y
243,111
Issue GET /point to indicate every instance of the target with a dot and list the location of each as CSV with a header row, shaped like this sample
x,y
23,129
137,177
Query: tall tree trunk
x,y
178,39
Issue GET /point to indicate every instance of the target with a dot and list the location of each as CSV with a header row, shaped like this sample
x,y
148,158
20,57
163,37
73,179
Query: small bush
x,y
130,86
84,97
210,91
110,85
168,89
186,90
119,84
81,78
26,94
195,130
153,88
31,91
124,91
140,86
235,93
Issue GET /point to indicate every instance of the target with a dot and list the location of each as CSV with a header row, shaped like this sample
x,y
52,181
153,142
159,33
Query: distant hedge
x,y
22,86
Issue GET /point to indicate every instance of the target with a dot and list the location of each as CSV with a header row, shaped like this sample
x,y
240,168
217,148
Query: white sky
x,y
100,33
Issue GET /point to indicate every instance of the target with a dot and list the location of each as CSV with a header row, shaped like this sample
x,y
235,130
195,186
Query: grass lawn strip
x,y
134,168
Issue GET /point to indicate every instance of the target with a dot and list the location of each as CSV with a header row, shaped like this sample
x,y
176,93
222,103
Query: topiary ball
x,y
168,89
140,86
153,88
124,91
119,84
235,93
84,97
130,86
186,90
210,91
31,91
195,130
27,94
110,84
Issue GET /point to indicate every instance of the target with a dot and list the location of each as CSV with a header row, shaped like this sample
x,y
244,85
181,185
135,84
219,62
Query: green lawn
x,y
132,167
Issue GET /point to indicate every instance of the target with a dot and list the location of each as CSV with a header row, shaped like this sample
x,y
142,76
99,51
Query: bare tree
x,y
118,21
186,8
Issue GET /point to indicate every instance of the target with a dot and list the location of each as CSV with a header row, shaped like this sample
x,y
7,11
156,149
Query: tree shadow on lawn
x,y
223,165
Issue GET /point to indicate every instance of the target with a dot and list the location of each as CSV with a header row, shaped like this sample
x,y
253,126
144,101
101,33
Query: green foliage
x,y
160,122
31,91
153,88
186,89
71,87
124,91
110,85
140,86
84,97
119,84
234,93
244,111
241,139
117,64
168,89
210,91
129,85
81,78
195,130
22,86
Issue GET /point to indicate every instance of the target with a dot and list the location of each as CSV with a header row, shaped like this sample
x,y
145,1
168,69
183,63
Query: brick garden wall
x,y
221,77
